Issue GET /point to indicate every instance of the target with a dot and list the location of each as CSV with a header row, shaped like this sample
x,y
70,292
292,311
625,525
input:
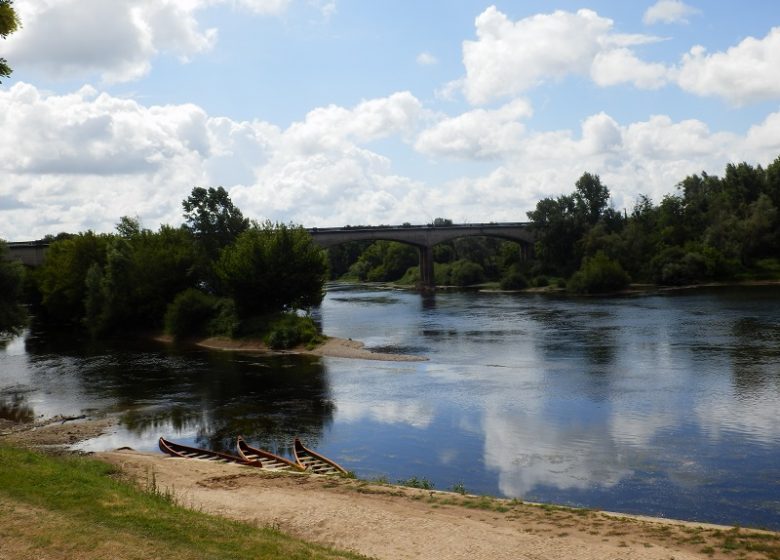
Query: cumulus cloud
x,y
668,11
115,40
617,66
477,134
512,57
744,73
82,160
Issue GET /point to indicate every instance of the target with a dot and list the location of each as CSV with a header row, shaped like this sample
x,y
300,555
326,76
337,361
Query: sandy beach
x,y
333,347
392,522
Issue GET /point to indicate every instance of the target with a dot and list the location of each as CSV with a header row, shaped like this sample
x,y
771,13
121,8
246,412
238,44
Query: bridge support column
x,y
427,282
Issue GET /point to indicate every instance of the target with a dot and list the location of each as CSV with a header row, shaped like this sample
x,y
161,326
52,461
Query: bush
x,y
513,280
189,314
290,330
224,321
466,273
598,274
677,266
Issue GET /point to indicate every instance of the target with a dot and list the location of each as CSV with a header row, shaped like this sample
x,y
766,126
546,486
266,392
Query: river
x,y
658,404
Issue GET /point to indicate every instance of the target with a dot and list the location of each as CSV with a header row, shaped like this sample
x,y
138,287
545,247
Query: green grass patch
x,y
70,496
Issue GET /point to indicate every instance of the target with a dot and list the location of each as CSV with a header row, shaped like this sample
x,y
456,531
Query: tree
x,y
598,274
143,271
9,22
12,314
213,220
62,276
272,268
591,197
557,232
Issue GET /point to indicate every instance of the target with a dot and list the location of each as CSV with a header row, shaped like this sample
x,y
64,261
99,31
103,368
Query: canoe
x,y
179,450
267,459
314,462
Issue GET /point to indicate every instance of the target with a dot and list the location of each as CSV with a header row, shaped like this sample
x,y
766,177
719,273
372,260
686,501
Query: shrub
x,y
677,266
290,330
598,274
513,280
224,321
466,273
189,314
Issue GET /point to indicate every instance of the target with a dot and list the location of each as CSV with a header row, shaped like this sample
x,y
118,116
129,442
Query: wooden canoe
x,y
314,462
178,450
267,459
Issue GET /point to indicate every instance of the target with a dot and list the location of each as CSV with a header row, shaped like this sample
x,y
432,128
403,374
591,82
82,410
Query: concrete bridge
x,y
425,237
32,253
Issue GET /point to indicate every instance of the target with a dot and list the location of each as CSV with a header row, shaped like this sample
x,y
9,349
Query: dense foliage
x,y
272,268
214,275
12,314
711,229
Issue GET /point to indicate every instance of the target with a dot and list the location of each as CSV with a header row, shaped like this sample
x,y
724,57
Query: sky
x,y
346,112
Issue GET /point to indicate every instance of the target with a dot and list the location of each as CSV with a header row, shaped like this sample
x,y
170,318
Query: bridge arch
x,y
426,237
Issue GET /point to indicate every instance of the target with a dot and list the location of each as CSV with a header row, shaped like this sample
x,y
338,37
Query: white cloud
x,y
83,160
426,59
512,57
668,11
617,66
743,74
477,134
115,40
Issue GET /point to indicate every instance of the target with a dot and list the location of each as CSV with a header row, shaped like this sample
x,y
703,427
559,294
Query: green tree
x,y
9,23
12,314
213,219
61,279
557,228
591,197
384,261
598,274
142,273
272,268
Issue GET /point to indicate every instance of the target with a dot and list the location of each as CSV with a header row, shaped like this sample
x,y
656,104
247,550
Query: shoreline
x,y
332,347
390,521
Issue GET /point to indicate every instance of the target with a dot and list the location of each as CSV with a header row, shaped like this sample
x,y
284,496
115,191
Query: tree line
x,y
216,274
711,229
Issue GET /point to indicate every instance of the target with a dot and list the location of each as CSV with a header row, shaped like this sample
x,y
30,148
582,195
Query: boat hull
x,y
267,459
314,462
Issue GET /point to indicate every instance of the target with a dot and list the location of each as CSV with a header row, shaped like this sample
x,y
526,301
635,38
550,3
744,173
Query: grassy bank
x,y
73,507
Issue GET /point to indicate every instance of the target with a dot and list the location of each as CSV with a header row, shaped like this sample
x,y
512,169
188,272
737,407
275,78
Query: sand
x,y
333,347
392,522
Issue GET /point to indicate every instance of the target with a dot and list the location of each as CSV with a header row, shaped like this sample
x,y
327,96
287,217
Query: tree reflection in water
x,y
183,389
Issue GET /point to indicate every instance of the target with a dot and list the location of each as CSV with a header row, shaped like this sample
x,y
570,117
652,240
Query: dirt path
x,y
389,522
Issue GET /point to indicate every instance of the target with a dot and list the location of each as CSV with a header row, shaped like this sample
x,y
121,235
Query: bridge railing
x,y
419,227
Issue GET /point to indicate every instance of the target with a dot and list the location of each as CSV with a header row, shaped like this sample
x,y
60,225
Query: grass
x,y
77,507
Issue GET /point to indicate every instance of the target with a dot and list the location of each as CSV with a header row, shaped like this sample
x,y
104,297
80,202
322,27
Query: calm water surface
x,y
665,405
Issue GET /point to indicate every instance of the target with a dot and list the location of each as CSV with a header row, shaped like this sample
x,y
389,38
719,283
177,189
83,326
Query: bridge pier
x,y
427,281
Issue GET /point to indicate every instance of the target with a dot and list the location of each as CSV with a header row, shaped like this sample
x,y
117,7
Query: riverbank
x,y
387,521
332,347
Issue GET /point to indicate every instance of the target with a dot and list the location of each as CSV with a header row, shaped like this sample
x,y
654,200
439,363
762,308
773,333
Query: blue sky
x,y
335,112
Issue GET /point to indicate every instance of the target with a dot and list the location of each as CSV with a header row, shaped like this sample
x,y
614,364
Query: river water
x,y
660,404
